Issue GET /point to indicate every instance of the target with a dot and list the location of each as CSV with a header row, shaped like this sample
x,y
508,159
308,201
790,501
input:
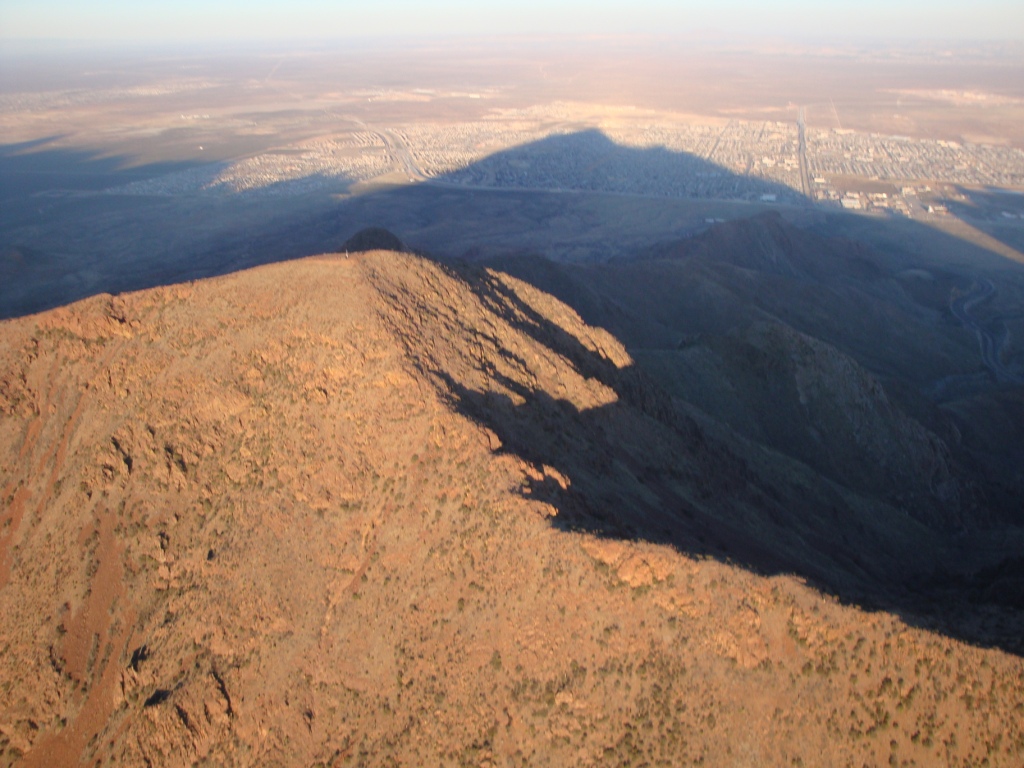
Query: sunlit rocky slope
x,y
374,510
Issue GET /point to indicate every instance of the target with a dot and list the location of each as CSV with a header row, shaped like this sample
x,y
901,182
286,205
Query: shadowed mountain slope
x,y
371,509
844,358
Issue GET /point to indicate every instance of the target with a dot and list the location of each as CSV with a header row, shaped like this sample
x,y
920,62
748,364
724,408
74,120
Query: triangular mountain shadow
x,y
651,464
588,160
433,217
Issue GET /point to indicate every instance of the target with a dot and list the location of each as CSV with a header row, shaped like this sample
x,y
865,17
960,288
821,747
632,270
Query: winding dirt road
x,y
990,343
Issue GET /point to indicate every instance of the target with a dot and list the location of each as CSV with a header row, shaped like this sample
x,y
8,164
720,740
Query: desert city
x,y
607,400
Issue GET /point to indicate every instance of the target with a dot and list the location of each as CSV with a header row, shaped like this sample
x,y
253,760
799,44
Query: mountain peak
x,y
378,506
373,239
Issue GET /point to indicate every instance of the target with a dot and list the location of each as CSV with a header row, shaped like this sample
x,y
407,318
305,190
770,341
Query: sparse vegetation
x,y
365,579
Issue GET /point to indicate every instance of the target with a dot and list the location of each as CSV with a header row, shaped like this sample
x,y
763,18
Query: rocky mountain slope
x,y
844,358
375,510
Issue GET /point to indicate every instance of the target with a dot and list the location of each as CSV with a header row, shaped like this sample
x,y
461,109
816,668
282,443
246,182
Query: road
x,y
401,154
393,144
805,179
718,140
989,343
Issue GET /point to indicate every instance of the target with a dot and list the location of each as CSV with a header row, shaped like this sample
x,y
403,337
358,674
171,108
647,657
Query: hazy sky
x,y
144,20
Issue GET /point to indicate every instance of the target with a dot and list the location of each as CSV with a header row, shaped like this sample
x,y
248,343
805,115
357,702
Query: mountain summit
x,y
373,510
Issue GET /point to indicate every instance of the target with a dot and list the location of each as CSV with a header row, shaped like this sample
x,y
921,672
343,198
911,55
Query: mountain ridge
x,y
346,510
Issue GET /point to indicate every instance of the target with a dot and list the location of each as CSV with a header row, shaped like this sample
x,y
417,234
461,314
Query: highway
x,y
989,343
401,154
805,179
393,145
